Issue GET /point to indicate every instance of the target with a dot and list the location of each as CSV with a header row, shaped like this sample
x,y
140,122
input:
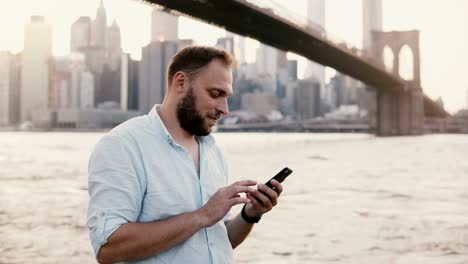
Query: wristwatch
x,y
250,220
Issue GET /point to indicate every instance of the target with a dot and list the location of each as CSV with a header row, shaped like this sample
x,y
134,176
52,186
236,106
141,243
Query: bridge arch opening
x,y
406,59
388,58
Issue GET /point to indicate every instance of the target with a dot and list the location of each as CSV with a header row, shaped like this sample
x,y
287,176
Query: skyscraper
x,y
267,66
9,89
5,58
80,33
226,43
239,47
59,75
35,71
307,99
155,58
129,83
99,28
110,90
164,26
372,21
114,50
77,67
316,16
86,90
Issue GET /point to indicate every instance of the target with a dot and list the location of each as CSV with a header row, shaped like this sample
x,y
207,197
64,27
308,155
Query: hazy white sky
x,y
444,38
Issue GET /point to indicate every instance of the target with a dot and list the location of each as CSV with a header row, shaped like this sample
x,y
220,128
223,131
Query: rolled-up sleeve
x,y
115,189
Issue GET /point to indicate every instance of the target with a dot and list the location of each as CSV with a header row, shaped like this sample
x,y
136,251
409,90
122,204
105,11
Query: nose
x,y
223,107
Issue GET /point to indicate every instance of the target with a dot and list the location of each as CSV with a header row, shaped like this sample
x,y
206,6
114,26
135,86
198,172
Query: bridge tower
x,y
399,113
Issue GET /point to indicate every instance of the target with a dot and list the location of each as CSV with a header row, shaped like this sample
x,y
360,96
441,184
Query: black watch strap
x,y
250,220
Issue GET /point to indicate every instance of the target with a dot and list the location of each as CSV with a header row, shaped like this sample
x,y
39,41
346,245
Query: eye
x,y
214,93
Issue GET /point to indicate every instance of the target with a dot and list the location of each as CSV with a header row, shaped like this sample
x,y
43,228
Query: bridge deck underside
x,y
245,19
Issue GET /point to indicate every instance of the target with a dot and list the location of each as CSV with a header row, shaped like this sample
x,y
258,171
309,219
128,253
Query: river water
x,y
353,198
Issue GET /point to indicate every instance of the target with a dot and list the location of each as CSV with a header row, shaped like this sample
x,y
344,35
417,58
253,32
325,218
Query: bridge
x,y
400,104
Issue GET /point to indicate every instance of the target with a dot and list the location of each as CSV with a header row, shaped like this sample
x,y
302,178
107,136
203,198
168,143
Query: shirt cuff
x,y
102,226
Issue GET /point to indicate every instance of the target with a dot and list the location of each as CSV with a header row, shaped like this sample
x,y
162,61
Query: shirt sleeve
x,y
115,189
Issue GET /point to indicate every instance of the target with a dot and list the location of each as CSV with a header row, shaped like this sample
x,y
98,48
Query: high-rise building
x,y
114,50
155,59
5,88
99,28
77,67
307,99
226,43
164,26
124,83
372,21
95,61
35,69
316,17
86,90
239,47
344,90
129,83
292,69
110,86
64,95
267,66
80,33
59,76
261,103
9,88
71,84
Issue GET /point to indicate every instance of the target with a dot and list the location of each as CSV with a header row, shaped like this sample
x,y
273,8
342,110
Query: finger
x,y
254,201
270,193
235,190
278,186
263,199
244,183
239,200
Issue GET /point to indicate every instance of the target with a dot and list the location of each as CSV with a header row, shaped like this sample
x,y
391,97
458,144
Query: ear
x,y
179,82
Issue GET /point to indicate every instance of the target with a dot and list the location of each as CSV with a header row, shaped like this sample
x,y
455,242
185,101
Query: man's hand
x,y
225,198
263,199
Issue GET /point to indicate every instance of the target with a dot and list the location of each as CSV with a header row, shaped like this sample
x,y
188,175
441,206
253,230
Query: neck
x,y
169,118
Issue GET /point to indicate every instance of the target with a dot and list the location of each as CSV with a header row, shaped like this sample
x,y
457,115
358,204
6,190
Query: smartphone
x,y
279,177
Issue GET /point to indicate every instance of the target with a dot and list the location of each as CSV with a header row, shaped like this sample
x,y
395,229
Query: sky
x,y
442,23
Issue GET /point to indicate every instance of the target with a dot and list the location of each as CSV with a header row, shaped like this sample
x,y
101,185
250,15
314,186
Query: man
x,y
158,183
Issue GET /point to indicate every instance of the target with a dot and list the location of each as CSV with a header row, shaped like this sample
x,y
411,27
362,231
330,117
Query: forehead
x,y
216,75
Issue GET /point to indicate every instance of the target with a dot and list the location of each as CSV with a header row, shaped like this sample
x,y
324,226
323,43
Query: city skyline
x,y
442,72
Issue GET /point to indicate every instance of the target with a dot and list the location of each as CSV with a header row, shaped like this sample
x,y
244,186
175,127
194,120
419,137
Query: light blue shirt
x,y
138,173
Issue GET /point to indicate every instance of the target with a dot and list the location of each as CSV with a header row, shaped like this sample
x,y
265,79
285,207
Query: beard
x,y
189,118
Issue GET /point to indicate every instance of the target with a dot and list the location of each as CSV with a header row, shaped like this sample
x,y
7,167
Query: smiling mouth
x,y
215,120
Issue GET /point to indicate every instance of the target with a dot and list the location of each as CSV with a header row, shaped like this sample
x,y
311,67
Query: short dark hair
x,y
193,59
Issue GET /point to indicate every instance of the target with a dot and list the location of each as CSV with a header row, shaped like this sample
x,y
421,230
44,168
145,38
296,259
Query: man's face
x,y
205,101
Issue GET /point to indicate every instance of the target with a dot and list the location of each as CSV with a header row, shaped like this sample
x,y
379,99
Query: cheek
x,y
208,106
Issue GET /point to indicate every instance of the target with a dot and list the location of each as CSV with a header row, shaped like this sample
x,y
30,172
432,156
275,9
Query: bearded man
x,y
158,183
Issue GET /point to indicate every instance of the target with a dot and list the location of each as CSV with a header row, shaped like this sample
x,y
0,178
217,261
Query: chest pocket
x,y
164,204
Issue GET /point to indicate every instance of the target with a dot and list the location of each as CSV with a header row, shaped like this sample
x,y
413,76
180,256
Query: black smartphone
x,y
279,177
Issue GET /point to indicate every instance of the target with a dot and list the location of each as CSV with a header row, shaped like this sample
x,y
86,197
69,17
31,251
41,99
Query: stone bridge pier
x,y
398,111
